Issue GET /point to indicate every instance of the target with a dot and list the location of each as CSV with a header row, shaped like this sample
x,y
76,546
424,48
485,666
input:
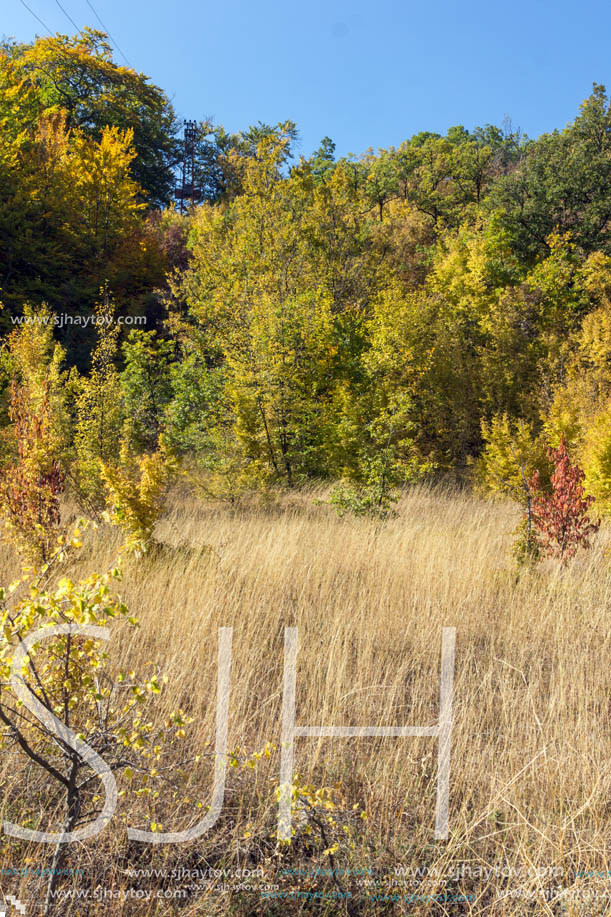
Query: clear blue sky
x,y
365,73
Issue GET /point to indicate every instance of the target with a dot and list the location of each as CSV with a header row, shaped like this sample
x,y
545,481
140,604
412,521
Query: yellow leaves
x,y
65,587
136,491
513,452
68,666
596,457
250,761
331,850
103,191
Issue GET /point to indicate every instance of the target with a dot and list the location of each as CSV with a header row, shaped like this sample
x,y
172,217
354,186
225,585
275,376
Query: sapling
x,y
63,713
561,517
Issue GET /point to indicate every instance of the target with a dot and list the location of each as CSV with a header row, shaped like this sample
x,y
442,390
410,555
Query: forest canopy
x,y
443,305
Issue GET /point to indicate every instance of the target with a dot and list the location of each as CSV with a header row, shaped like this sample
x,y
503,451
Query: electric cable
x,y
43,24
68,16
108,32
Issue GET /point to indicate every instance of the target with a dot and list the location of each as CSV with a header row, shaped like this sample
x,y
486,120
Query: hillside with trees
x,y
364,321
364,397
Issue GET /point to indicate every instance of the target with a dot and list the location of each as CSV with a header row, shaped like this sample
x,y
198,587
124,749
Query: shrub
x,y
512,455
561,517
136,489
61,708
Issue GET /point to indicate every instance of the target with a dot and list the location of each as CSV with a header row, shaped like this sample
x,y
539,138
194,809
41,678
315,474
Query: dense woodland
x,y
439,307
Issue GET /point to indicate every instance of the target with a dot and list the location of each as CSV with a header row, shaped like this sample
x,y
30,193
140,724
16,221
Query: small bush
x,y
561,517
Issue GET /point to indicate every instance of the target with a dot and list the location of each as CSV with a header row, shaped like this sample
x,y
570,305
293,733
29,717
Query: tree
x,y
561,517
30,487
136,487
73,223
36,440
146,388
596,457
512,455
79,77
322,160
561,184
99,414
104,194
579,410
268,301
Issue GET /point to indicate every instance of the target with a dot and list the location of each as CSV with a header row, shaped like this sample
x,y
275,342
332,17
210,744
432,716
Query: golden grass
x,y
530,748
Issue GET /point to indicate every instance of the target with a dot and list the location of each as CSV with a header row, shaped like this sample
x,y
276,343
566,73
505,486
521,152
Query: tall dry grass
x,y
530,743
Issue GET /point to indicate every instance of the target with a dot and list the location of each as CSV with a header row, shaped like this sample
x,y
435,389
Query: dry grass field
x,y
530,779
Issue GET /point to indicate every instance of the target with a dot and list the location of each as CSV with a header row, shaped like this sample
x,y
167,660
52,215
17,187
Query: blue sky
x,y
364,73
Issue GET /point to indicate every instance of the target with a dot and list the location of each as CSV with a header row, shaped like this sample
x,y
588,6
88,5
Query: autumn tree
x,y
37,437
98,414
579,409
561,517
72,213
146,388
77,75
270,304
136,487
30,487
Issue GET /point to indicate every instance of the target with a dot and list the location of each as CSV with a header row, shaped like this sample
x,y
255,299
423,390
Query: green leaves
x,y
77,75
562,184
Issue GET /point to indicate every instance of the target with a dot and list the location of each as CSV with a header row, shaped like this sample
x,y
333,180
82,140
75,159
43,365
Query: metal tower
x,y
188,194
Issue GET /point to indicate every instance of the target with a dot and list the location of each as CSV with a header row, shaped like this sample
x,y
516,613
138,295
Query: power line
x,y
107,30
68,15
43,24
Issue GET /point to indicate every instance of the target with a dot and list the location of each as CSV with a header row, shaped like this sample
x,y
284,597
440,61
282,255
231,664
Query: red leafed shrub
x,y
561,517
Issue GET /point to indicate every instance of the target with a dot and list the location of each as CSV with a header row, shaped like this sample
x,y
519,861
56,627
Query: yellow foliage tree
x,y
136,487
98,414
37,438
581,408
